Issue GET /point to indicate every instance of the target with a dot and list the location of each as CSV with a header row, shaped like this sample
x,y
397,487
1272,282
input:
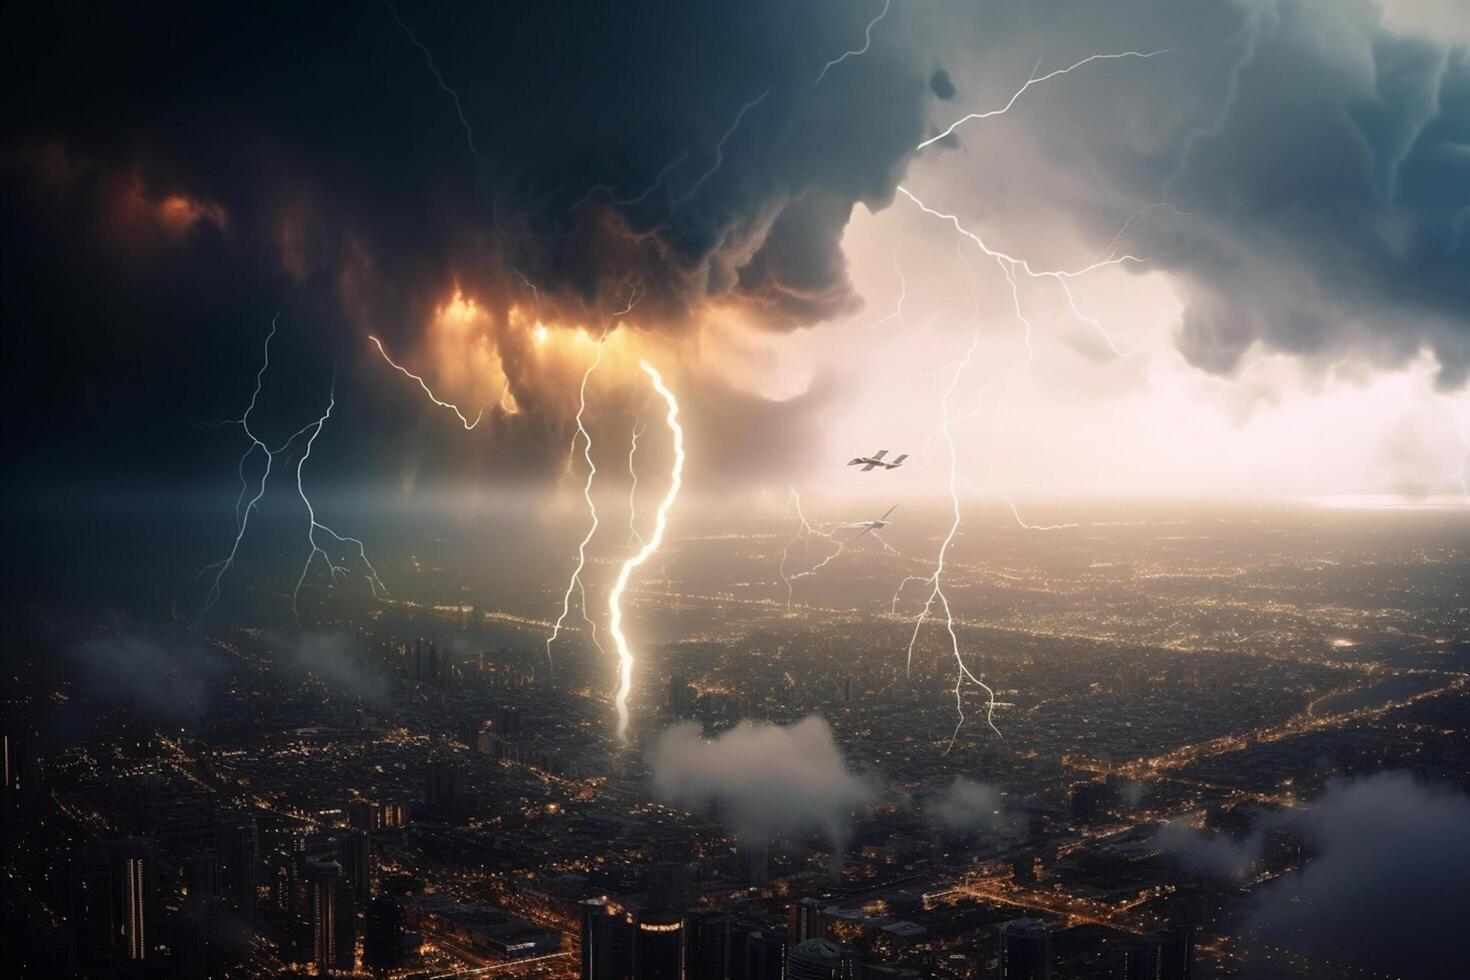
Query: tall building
x,y
820,959
755,861
201,877
805,921
332,915
441,791
133,885
765,955
1023,948
382,943
354,851
707,955
658,945
607,946
1176,954
237,850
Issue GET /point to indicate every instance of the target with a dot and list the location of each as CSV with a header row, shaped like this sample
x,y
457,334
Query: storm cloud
x,y
769,779
1298,167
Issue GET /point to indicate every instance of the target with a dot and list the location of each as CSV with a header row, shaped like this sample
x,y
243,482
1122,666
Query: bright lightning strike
x,y
575,582
936,580
857,52
424,385
1036,80
333,569
633,487
243,508
1010,266
661,520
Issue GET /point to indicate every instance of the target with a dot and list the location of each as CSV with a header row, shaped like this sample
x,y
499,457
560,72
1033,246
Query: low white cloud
x,y
768,779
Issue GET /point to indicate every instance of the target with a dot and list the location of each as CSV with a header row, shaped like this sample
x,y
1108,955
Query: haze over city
x,y
742,491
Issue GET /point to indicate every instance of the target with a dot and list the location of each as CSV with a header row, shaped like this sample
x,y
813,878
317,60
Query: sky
x,y
790,209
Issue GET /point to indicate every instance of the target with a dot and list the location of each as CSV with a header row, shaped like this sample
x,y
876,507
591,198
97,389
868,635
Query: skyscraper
x,y
607,952
1023,948
332,916
820,959
133,882
658,945
382,946
353,853
708,947
765,955
237,848
805,921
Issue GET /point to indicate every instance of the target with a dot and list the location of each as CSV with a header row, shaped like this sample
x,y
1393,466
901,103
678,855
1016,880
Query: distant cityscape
x,y
374,802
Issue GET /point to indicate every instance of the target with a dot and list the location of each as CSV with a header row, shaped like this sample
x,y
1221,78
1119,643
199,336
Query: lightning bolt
x,y
333,569
469,134
1250,31
1015,511
805,531
424,385
633,487
661,520
574,584
936,580
867,43
720,150
1013,267
244,508
1037,80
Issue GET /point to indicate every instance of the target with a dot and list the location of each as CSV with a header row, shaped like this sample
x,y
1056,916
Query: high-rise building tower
x,y
658,945
1023,948
237,848
765,955
708,947
607,941
805,921
332,915
354,851
133,883
382,943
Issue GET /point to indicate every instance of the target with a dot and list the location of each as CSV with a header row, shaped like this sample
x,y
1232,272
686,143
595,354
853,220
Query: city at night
x,y
770,490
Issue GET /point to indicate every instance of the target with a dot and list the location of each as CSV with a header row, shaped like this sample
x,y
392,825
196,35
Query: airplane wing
x,y
890,510
880,454
865,530
897,460
870,465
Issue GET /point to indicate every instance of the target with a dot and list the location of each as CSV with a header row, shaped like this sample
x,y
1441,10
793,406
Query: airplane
x,y
867,526
869,462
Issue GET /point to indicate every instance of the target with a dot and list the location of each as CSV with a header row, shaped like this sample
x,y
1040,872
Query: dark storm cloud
x,y
1318,158
174,179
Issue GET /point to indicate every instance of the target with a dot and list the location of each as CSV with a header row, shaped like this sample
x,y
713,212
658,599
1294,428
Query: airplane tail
x,y
898,459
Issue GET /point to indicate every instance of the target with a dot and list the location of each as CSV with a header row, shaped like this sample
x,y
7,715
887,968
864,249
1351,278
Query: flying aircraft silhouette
x,y
868,463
